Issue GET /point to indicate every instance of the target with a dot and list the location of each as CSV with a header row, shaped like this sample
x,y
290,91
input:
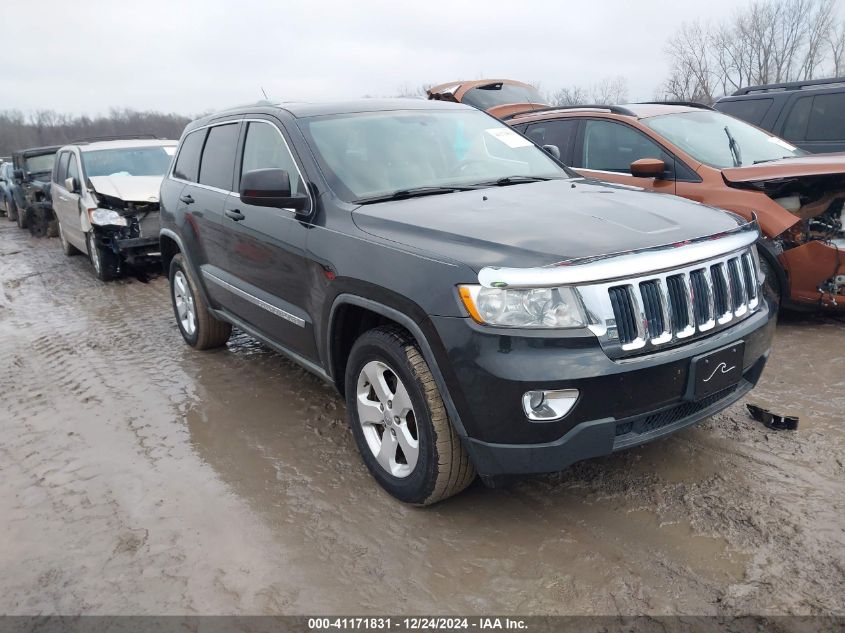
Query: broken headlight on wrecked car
x,y
550,308
106,217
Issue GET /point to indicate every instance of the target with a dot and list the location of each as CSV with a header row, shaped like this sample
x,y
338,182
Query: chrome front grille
x,y
657,310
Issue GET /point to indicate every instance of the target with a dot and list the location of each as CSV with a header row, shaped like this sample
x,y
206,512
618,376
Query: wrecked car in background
x,y
693,151
499,97
32,205
106,199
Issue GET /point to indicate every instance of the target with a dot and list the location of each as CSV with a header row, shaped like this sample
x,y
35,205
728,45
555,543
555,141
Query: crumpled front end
x,y
129,229
812,249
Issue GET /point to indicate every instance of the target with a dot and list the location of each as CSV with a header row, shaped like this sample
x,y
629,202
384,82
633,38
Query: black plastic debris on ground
x,y
773,420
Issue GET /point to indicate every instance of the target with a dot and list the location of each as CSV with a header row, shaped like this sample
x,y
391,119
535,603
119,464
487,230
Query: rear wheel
x,y
105,262
399,420
199,328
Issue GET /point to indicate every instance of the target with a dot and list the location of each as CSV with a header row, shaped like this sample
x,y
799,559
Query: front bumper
x,y
622,403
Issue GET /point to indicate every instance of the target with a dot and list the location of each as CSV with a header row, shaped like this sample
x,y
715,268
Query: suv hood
x,y
812,165
540,223
128,188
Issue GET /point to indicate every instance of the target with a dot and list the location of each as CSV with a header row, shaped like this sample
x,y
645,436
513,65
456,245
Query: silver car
x,y
105,196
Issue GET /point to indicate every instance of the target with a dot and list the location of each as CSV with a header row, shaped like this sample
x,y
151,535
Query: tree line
x,y
47,127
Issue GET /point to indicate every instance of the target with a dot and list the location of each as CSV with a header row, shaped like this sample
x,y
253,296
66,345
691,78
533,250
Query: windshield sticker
x,y
508,137
782,143
171,151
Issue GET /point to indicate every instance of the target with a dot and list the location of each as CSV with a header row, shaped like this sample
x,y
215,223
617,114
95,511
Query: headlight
x,y
525,308
106,217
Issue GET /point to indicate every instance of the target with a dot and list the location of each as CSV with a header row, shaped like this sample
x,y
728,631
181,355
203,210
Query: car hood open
x,y
812,165
540,223
128,188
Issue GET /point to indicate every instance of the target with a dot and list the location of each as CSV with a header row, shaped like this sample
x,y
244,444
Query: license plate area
x,y
715,370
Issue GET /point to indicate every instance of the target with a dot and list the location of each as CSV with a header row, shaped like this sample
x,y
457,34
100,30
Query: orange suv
x,y
696,152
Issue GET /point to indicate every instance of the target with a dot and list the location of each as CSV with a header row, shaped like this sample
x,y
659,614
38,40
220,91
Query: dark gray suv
x,y
481,307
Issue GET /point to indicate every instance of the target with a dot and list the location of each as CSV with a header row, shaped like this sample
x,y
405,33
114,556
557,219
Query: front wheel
x,y
105,262
399,420
22,218
12,213
199,328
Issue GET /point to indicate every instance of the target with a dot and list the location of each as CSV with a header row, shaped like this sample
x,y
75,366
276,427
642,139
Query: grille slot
x,y
650,292
701,297
737,285
678,302
720,290
623,312
750,277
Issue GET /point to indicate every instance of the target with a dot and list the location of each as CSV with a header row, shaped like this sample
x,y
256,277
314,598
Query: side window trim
x,y
240,156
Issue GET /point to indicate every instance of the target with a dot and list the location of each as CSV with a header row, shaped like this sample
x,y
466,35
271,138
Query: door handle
x,y
187,199
236,215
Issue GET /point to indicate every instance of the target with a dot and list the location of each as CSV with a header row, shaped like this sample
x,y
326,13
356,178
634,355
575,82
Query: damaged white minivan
x,y
105,197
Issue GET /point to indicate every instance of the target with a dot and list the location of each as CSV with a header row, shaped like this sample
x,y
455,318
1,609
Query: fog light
x,y
546,406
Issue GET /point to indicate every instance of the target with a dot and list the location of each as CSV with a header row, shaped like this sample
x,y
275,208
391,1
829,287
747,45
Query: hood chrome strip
x,y
625,264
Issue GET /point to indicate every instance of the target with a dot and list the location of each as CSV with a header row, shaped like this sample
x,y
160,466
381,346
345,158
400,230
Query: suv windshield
x,y
128,161
373,154
719,140
40,164
491,95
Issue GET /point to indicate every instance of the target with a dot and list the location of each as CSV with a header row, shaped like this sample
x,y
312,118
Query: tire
x,y
204,331
772,279
441,466
67,248
12,214
106,264
22,218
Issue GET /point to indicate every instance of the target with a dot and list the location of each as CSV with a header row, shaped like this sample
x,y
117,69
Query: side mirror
x,y
648,168
271,188
17,174
554,150
72,185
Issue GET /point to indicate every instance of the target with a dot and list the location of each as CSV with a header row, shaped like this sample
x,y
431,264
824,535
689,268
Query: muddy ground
x,y
139,476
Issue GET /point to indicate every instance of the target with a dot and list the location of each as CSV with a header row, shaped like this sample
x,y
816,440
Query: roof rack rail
x,y
613,109
116,137
789,85
689,104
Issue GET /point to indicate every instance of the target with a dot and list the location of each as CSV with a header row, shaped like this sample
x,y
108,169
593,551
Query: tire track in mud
x,y
144,477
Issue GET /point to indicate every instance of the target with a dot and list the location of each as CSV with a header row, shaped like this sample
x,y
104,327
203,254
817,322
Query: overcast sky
x,y
200,55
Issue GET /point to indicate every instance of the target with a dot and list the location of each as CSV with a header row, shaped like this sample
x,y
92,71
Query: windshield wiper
x,y
734,147
511,180
769,160
412,192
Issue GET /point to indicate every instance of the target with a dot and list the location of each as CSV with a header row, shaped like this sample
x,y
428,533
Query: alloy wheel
x,y
386,415
183,297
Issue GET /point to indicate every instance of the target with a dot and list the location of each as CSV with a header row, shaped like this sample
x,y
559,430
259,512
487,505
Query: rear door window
x,y
217,167
188,162
751,110
827,122
795,126
611,146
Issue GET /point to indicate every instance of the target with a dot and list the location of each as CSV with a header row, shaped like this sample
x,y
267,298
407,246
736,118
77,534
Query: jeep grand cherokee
x,y
481,307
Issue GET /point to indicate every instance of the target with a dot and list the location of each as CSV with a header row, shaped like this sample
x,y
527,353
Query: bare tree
x,y
47,127
609,90
573,95
769,41
836,44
